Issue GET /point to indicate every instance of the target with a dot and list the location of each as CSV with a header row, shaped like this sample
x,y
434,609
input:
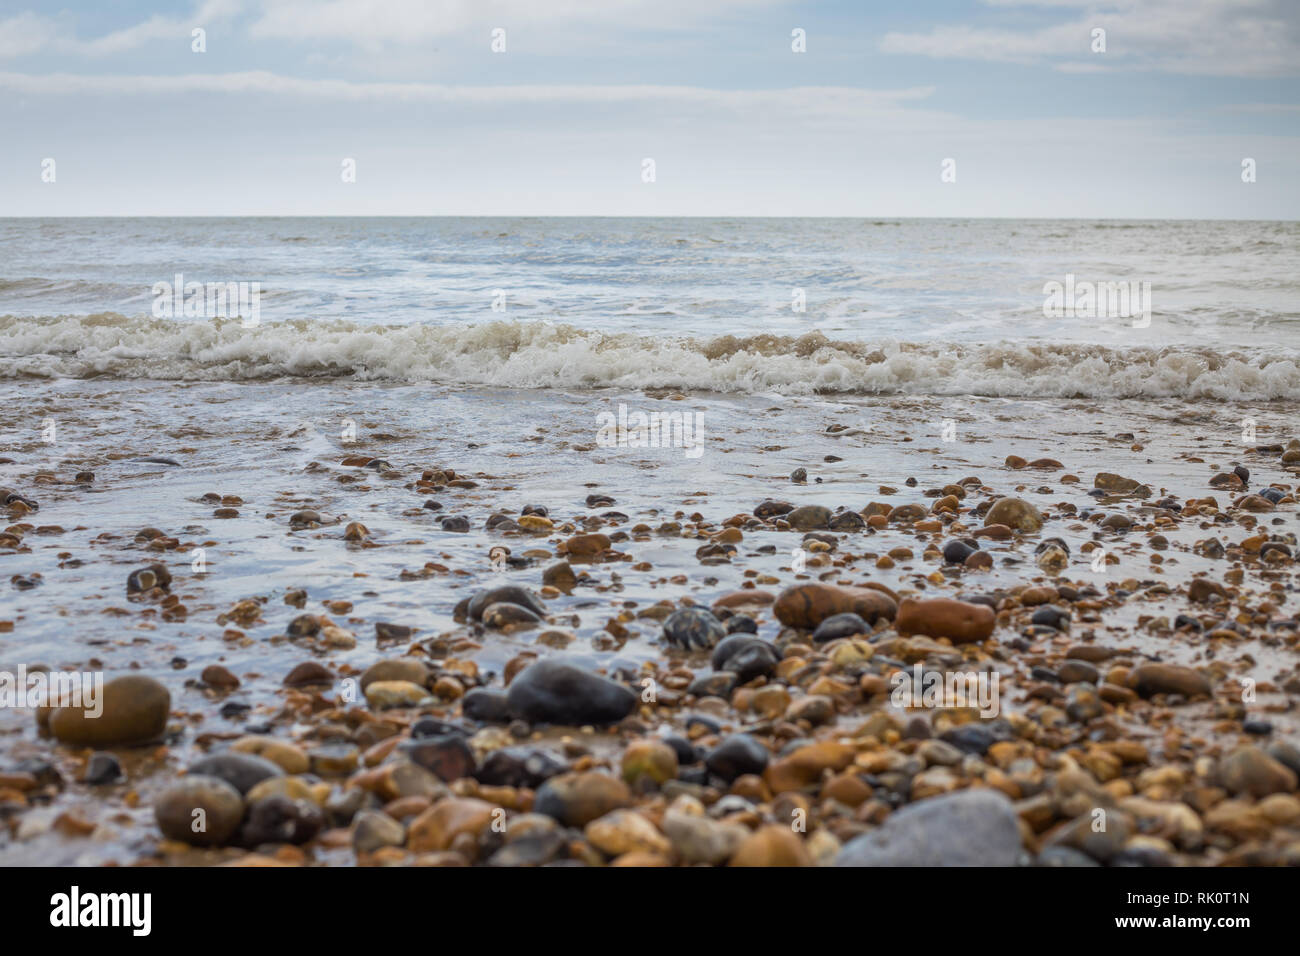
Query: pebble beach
x,y
385,624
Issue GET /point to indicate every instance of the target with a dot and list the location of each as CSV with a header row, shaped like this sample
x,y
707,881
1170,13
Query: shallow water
x,y
279,448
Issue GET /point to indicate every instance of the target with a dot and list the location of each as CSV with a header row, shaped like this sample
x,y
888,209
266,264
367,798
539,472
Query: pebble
x,y
693,628
503,615
135,711
241,771
219,678
575,799
309,674
1074,671
507,594
956,552
649,759
146,579
970,738
736,756
772,846
560,575
698,839
809,518
102,768
1150,679
519,767
741,624
1249,770
281,819
448,756
747,657
968,828
840,625
807,605
773,509
1014,513
438,827
626,831
553,692
407,669
287,756
384,694
1049,615
959,621
373,830
806,765
489,706
200,811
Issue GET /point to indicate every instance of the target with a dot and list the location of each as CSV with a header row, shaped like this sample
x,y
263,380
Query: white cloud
x,y
159,28
850,101
27,33
1206,37
368,24
30,33
372,22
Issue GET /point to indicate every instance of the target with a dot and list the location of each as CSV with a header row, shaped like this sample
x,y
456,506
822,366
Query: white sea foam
x,y
534,354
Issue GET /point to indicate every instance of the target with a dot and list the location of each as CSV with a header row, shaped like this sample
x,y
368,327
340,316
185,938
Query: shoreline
x,y
819,732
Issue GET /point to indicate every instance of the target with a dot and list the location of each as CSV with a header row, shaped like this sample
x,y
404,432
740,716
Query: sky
x,y
1015,108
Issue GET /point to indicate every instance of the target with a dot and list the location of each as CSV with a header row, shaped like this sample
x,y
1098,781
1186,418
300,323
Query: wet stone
x,y
372,830
507,594
741,624
489,706
553,692
199,810
281,819
448,757
840,625
519,767
146,579
135,711
809,518
575,799
693,628
241,771
745,656
736,756
102,768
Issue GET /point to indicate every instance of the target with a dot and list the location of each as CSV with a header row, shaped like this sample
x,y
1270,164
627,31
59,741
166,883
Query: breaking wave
x,y
535,354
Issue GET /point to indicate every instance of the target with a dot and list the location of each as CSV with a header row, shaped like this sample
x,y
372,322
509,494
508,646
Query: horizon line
x,y
4,218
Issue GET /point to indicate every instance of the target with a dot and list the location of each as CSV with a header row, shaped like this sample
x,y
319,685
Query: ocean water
x,y
922,307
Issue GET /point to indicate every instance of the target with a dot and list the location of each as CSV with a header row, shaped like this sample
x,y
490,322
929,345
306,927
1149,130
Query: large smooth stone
x,y
1014,513
969,828
807,605
552,692
135,710
509,594
959,621
200,811
1149,679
